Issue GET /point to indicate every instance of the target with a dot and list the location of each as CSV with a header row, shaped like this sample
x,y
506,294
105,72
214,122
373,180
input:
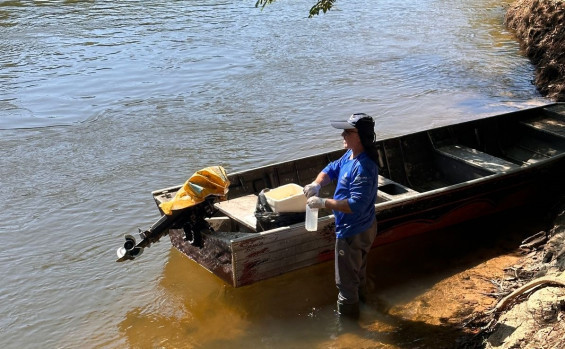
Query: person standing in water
x,y
353,205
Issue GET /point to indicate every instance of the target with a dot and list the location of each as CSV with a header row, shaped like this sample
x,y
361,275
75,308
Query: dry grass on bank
x,y
540,28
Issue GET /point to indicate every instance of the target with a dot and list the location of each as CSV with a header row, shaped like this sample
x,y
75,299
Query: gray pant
x,y
351,264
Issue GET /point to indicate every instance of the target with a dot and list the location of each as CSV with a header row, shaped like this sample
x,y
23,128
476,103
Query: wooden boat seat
x,y
241,209
477,158
553,123
390,190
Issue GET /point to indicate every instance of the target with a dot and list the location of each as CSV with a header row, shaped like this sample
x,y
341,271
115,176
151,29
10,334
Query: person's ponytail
x,y
368,137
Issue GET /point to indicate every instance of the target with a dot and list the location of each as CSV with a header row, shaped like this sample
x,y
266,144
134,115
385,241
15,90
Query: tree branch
x,y
321,5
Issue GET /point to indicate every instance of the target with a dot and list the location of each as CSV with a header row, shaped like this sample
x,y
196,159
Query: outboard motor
x,y
190,219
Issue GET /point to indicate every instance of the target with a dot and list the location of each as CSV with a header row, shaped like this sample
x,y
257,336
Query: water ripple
x,y
103,101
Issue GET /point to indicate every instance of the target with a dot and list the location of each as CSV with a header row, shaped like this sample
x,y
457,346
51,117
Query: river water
x,y
102,102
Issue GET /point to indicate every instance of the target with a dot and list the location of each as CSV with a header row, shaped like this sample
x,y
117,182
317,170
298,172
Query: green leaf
x,y
321,5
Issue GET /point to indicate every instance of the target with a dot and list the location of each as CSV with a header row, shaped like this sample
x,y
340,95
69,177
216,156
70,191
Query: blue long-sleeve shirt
x,y
357,182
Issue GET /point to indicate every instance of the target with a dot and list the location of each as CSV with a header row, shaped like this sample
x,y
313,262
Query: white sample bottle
x,y
311,222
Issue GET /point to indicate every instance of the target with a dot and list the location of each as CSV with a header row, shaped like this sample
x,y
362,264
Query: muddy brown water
x,y
421,290
102,102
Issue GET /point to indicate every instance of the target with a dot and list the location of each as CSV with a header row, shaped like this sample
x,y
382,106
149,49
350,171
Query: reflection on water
x,y
418,290
204,311
65,62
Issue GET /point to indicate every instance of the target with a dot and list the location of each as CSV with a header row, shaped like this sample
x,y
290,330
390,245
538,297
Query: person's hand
x,y
316,202
311,189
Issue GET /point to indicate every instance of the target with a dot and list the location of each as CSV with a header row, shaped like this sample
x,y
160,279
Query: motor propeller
x,y
129,250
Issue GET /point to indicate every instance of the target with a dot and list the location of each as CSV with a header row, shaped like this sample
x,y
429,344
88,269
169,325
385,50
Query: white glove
x,y
316,202
311,189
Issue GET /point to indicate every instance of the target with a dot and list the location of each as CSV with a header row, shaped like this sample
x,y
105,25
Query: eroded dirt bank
x,y
540,28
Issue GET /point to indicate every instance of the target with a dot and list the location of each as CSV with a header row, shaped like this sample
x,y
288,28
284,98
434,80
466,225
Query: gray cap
x,y
357,120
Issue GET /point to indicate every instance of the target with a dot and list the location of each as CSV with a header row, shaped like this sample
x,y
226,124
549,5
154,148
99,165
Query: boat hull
x,y
446,177
243,260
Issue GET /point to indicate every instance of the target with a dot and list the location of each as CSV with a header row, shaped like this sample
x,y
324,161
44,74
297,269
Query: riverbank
x,y
539,27
529,311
